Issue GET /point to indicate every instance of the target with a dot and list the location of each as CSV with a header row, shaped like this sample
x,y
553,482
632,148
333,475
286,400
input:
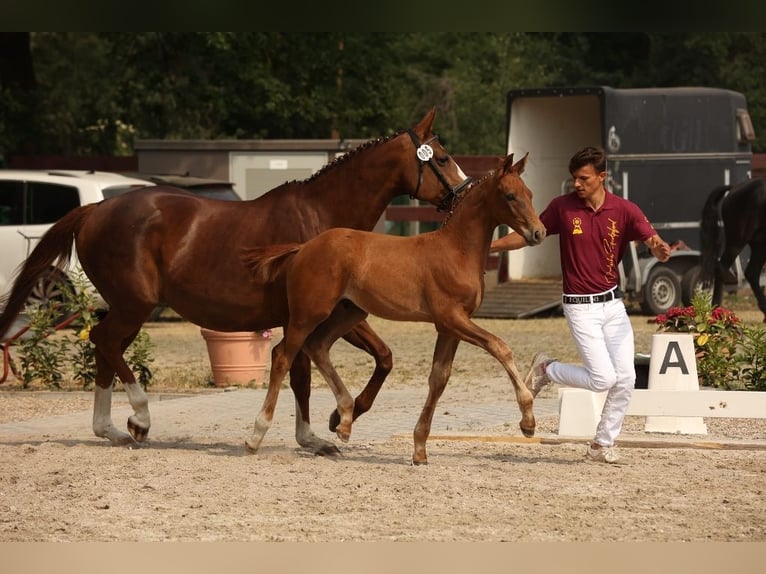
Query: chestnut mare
x,y
161,244
336,279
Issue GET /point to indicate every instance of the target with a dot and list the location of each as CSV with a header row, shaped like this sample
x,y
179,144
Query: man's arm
x,y
659,248
508,243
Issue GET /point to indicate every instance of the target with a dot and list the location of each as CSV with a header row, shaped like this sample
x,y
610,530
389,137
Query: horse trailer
x,y
667,148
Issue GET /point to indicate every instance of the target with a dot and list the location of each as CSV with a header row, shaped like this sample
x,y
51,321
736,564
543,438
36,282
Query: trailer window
x,y
745,131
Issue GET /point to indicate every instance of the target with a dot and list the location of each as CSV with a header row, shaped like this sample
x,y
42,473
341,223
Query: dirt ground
x,y
206,489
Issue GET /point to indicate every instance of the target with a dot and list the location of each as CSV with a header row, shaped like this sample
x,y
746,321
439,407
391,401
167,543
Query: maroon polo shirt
x,y
592,243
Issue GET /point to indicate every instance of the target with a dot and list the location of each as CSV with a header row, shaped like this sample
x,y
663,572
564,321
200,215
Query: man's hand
x,y
659,248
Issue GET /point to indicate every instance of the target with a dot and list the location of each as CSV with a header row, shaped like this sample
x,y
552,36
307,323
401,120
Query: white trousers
x,y
604,338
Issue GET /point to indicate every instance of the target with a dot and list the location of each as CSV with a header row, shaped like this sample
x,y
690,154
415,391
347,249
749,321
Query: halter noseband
x,y
425,155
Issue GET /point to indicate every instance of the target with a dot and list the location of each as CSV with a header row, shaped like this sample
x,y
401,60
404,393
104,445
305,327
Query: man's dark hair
x,y
590,155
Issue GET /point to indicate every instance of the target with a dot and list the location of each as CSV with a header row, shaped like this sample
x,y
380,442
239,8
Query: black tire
x,y
662,291
49,289
690,282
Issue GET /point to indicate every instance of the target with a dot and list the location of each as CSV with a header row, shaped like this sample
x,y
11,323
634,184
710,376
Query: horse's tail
x,y
266,263
710,235
53,250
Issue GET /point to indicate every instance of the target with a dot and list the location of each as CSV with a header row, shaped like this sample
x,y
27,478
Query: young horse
x,y
743,211
164,245
339,277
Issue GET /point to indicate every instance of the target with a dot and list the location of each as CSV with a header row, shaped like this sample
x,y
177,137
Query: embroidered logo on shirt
x,y
577,223
610,246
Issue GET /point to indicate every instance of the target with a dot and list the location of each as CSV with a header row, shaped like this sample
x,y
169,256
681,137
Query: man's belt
x,y
614,293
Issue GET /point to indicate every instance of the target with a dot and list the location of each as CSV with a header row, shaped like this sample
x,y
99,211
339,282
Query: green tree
x,y
91,93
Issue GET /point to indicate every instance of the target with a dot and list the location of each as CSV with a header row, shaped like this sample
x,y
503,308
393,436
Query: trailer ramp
x,y
520,298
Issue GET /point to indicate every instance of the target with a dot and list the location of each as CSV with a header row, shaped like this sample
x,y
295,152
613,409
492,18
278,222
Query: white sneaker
x,y
537,379
598,453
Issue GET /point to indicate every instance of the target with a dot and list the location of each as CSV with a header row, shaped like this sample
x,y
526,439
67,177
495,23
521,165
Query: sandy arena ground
x,y
204,486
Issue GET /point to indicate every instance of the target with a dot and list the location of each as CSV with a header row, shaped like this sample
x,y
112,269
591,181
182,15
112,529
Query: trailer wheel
x,y
661,292
690,282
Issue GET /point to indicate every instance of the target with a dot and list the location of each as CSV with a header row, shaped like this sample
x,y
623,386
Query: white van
x,y
32,200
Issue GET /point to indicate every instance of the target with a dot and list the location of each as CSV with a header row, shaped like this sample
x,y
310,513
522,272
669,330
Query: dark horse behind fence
x,y
165,245
336,279
742,209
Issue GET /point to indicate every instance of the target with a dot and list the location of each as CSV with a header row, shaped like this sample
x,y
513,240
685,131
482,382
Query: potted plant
x,y
239,357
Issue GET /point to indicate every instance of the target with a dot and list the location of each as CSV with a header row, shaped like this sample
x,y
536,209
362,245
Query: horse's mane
x,y
459,198
340,160
352,153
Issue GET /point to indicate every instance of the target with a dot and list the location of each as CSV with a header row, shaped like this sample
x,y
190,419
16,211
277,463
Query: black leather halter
x,y
425,158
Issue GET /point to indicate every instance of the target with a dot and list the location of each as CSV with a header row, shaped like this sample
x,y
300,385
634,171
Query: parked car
x,y
32,200
211,188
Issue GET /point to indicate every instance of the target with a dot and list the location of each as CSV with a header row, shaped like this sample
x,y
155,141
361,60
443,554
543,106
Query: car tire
x,y
661,292
50,289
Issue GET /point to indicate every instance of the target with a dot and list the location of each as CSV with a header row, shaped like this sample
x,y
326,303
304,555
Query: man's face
x,y
588,182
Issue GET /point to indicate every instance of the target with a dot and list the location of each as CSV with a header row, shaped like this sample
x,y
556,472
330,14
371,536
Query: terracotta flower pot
x,y
237,358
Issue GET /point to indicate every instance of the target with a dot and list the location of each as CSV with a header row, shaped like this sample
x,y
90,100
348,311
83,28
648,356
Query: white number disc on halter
x,y
425,152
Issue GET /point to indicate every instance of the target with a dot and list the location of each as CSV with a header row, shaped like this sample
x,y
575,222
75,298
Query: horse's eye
x,y
442,160
510,196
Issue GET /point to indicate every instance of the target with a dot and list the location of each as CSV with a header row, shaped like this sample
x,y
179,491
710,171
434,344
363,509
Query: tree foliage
x,y
92,93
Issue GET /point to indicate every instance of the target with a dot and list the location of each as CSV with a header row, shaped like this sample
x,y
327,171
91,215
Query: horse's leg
x,y
462,327
441,368
753,273
364,338
110,338
280,365
723,268
344,317
103,426
300,382
282,357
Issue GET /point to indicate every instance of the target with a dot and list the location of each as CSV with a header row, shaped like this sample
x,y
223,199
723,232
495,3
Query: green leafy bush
x,y
45,355
42,357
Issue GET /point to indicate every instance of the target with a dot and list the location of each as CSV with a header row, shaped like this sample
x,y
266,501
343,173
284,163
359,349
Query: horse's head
x,y
443,180
516,201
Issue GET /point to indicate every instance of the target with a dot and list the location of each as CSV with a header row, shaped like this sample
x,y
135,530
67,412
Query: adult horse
x,y
163,245
336,279
742,209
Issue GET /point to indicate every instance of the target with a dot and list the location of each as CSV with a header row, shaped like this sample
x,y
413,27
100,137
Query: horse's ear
x,y
507,163
520,165
425,125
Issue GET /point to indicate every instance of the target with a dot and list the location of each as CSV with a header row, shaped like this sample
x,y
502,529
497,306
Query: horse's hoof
x,y
334,420
343,435
138,432
251,444
419,462
529,433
